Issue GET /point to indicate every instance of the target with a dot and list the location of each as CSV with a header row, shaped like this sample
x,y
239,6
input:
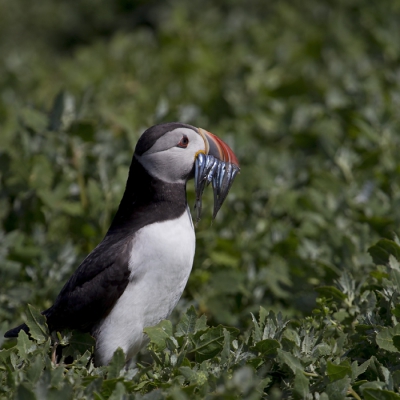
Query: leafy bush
x,y
349,347
308,96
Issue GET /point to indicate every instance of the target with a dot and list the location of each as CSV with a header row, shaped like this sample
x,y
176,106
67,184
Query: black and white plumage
x,y
136,275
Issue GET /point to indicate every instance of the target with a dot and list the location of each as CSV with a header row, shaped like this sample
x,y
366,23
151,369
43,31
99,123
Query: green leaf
x,y
78,344
395,278
292,336
210,343
384,338
83,360
226,349
255,362
396,341
357,370
322,349
119,392
24,393
301,387
190,375
62,112
187,324
159,333
5,353
35,369
379,394
57,376
331,292
201,324
33,118
396,311
63,393
290,360
337,390
37,325
24,345
338,371
267,346
396,378
381,251
257,329
117,364
263,315
109,386
224,259
394,263
372,385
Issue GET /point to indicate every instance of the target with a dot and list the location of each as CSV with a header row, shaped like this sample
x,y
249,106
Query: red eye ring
x,y
184,142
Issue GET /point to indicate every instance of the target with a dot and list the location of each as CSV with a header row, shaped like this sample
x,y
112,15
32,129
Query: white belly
x,y
160,263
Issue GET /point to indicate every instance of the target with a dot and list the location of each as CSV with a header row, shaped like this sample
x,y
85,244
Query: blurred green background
x,y
307,94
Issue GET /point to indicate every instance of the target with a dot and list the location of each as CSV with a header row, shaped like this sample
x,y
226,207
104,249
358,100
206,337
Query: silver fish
x,y
209,169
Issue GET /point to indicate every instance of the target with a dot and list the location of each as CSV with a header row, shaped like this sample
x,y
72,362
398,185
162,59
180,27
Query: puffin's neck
x,y
147,200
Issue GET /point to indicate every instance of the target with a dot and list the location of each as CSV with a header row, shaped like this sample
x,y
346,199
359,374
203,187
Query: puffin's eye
x,y
184,142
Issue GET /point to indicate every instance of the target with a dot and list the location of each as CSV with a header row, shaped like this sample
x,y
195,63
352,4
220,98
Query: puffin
x,y
135,276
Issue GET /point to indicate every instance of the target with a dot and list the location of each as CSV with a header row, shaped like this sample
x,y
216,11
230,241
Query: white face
x,y
172,156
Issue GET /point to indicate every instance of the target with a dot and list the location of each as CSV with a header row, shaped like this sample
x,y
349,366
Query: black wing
x,y
92,290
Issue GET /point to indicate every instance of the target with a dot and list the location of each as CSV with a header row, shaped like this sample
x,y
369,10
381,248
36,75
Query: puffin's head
x,y
175,152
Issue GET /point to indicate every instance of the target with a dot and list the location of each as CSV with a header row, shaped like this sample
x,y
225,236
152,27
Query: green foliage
x,y
349,347
307,93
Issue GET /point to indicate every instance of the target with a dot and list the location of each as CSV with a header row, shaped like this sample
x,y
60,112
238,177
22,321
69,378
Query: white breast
x,y
160,263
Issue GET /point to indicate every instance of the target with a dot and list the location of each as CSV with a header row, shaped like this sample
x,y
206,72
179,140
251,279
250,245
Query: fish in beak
x,y
219,166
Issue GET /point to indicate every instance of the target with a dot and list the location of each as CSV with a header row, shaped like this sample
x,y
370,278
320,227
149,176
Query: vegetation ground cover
x,y
295,287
